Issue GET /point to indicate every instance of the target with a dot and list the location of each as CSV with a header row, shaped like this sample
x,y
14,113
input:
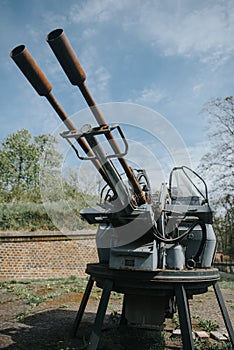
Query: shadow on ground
x,y
45,330
53,330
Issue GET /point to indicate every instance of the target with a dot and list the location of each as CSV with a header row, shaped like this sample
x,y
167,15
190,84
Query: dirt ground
x,y
40,315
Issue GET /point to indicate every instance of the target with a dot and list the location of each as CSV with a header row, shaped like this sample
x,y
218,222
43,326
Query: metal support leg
x,y
123,320
82,305
95,335
184,317
224,312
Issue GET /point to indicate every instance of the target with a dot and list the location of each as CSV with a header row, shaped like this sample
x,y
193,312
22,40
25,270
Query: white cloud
x,y
98,76
150,96
206,31
184,28
96,11
197,88
54,20
101,79
88,33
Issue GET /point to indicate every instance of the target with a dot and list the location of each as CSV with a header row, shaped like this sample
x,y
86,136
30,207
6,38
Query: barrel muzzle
x,y
31,70
66,56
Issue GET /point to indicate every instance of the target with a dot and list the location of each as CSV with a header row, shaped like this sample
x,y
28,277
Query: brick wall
x,y
44,255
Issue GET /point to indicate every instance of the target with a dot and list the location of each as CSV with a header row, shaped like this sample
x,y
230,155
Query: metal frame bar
x,y
123,320
96,332
184,317
83,304
224,312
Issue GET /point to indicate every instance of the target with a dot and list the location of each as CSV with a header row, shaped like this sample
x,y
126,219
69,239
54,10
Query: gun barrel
x,y
41,84
75,73
30,69
66,56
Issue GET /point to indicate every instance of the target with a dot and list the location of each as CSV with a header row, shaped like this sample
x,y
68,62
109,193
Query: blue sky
x,y
171,56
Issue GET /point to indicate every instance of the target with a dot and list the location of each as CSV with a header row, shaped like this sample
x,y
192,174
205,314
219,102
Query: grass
x,y
207,345
208,325
27,216
227,280
35,292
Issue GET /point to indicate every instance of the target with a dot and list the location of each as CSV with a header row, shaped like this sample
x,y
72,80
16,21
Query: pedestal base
x,y
179,284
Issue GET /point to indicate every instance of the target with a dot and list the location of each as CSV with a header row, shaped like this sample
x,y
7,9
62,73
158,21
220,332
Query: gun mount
x,y
161,242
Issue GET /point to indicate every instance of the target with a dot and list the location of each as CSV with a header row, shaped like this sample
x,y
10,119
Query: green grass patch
x,y
208,325
227,280
207,345
34,292
34,217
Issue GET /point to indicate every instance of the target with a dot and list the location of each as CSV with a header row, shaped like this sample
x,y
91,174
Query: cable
x,y
159,237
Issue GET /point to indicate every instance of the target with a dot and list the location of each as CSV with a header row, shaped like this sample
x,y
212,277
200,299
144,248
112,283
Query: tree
x,y
21,158
217,165
218,162
223,224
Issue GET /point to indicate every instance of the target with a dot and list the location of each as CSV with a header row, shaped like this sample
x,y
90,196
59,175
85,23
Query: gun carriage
x,y
158,252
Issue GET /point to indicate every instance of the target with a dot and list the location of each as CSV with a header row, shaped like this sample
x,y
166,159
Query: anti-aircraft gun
x,y
157,251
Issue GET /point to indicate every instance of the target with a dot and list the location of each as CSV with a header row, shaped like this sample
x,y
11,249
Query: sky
x,y
169,56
